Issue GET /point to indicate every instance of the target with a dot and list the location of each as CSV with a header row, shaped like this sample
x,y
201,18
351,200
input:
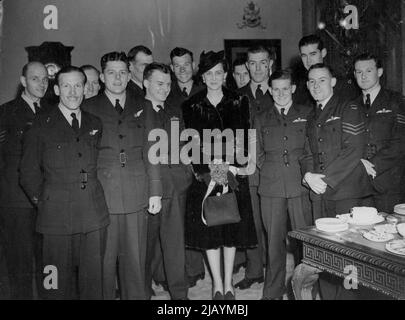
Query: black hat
x,y
209,60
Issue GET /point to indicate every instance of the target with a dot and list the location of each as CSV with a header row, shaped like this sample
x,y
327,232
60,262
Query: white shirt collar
x,y
188,86
28,100
324,102
373,93
122,98
263,85
155,105
67,113
287,107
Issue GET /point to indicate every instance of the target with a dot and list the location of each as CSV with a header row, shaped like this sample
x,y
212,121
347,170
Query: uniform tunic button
x,y
285,138
322,168
79,154
285,151
318,125
367,130
320,139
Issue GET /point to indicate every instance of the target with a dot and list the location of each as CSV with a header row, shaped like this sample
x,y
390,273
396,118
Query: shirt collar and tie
x,y
259,89
34,105
71,115
372,94
284,109
113,99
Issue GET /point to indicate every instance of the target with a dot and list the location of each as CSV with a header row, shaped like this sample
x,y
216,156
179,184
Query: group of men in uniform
x,y
79,175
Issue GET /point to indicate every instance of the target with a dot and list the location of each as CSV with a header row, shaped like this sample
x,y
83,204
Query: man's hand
x,y
155,204
315,182
369,168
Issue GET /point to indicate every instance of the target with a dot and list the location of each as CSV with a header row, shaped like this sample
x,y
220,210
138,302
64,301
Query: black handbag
x,y
219,209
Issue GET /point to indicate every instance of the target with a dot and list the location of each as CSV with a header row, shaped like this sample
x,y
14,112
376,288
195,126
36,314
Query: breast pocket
x,y
136,132
269,137
382,126
55,154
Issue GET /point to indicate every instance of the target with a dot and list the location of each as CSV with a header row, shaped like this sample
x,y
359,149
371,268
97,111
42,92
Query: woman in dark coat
x,y
218,108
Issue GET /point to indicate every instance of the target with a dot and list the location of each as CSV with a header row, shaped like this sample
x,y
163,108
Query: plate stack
x,y
331,225
400,208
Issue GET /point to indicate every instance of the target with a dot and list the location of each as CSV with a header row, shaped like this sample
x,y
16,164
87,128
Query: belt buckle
x,y
123,159
84,179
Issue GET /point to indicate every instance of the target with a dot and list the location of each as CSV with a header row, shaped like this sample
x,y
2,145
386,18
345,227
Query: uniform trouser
x,y
167,227
256,257
126,247
78,260
194,263
385,202
22,247
275,212
331,287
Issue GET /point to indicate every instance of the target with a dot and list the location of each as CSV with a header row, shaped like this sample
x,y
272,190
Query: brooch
x,y
93,132
136,115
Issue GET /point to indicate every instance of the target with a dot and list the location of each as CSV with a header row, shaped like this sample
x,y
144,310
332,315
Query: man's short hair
x,y
113,56
135,50
368,56
27,65
260,48
321,66
150,68
311,39
281,75
238,62
70,69
87,67
179,52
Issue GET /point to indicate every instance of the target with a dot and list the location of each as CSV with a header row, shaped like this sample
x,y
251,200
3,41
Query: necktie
x,y
367,104
318,110
259,93
75,122
118,107
283,112
184,92
36,107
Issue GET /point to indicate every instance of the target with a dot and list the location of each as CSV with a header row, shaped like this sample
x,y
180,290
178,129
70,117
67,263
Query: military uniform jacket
x,y
279,145
334,146
256,106
58,167
176,176
123,168
385,139
134,90
16,118
176,97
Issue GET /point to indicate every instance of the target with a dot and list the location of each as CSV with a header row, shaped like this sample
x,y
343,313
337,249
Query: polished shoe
x,y
163,284
229,296
192,280
237,267
218,296
246,283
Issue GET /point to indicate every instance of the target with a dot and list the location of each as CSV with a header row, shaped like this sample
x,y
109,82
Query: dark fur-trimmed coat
x,y
231,113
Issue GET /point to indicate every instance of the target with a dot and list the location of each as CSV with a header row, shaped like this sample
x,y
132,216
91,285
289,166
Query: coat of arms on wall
x,y
251,17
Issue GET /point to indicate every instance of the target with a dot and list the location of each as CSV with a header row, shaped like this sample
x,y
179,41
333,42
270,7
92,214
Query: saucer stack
x,y
400,208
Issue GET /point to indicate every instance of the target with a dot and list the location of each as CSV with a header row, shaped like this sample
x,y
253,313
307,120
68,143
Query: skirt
x,y
241,235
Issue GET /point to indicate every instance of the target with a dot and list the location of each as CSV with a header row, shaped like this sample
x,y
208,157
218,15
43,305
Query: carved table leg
x,y
303,279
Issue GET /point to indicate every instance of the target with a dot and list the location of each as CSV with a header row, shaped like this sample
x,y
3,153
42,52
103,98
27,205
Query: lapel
x,y
23,110
130,106
85,126
328,110
66,129
107,107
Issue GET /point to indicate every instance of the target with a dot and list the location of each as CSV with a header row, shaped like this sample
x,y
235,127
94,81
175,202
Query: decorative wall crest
x,y
251,17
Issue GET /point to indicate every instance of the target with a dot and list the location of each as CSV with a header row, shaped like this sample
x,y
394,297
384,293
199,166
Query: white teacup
x,y
401,229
